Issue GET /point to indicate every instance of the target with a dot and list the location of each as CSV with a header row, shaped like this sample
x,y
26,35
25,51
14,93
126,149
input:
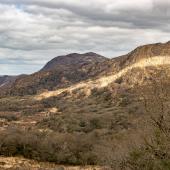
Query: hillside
x,y
71,61
6,80
64,71
89,110
136,68
61,71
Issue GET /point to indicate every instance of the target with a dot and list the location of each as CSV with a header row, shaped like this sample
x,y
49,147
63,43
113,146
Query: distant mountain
x,y
61,71
67,70
72,61
6,80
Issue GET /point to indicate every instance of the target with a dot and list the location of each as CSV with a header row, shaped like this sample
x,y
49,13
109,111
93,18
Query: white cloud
x,y
34,31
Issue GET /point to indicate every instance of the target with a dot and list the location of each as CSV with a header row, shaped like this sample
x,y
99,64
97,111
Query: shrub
x,y
9,117
77,149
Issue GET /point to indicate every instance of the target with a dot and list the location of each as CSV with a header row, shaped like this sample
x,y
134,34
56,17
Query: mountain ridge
x,y
63,71
60,71
72,60
97,114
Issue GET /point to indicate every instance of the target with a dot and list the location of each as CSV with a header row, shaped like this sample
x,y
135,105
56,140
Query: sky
x,y
33,32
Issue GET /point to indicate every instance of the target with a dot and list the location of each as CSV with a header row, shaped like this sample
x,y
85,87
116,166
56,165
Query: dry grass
x,y
19,163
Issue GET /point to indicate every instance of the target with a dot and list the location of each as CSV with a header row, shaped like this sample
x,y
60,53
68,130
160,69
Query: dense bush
x,y
155,153
53,147
9,117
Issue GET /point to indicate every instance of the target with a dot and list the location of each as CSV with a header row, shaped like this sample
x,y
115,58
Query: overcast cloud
x,y
34,31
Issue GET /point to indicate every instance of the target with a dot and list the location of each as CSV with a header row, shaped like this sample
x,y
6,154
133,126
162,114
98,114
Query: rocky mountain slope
x,y
88,110
72,61
6,81
136,67
62,71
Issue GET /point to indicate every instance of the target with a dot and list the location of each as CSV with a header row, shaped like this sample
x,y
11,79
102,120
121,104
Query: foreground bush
x,y
155,153
62,149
